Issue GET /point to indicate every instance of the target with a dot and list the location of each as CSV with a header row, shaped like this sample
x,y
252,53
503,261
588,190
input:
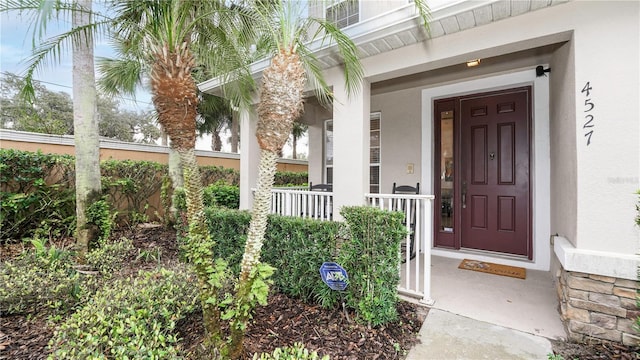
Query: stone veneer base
x,y
601,307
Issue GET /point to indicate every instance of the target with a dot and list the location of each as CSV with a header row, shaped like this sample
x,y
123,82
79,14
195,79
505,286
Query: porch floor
x,y
528,305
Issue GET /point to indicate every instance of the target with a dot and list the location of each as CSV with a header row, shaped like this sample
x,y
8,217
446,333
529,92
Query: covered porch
x,y
529,305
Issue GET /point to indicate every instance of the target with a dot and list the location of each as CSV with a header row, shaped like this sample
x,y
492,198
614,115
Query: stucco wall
x,y
154,153
607,54
564,177
400,137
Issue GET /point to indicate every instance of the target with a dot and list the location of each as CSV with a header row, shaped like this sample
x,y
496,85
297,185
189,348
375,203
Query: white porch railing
x,y
302,203
415,269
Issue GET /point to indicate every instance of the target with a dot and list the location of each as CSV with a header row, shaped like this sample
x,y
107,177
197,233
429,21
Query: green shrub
x,y
295,352
371,258
296,247
100,214
213,174
290,178
37,195
130,318
129,184
222,194
36,192
109,258
43,278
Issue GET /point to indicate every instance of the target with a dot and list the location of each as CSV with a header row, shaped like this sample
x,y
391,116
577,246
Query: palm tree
x,y
286,35
85,25
170,42
298,130
214,116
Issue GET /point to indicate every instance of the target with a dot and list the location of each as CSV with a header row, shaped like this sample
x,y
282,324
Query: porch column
x,y
350,146
249,155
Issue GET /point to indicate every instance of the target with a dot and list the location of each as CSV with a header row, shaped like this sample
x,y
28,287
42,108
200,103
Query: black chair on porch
x,y
320,208
408,207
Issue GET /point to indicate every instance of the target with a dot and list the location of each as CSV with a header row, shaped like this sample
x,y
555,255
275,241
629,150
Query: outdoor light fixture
x,y
472,63
540,70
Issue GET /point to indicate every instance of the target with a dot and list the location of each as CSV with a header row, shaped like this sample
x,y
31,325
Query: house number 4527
x,y
588,116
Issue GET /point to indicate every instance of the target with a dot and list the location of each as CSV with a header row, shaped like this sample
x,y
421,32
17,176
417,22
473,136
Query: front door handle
x,y
464,194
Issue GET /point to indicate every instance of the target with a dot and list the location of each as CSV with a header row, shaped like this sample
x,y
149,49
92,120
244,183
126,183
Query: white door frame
x,y
540,156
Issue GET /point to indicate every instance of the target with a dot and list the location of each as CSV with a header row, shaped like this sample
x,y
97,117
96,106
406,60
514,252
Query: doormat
x,y
491,268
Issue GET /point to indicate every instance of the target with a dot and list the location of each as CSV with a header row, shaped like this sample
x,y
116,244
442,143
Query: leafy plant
x,y
130,318
109,257
295,352
42,280
36,192
290,178
222,194
129,185
100,214
371,257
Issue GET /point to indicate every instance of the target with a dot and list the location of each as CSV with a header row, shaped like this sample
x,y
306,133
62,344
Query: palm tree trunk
x,y
295,145
216,141
200,244
85,124
253,246
235,134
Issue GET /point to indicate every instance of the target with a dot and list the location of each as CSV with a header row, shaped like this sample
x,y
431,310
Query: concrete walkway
x,y
445,335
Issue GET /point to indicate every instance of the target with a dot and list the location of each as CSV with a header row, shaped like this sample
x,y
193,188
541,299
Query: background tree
x,y
52,113
125,125
214,117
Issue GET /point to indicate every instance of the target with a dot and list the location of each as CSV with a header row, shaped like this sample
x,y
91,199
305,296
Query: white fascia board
x,y
624,266
397,20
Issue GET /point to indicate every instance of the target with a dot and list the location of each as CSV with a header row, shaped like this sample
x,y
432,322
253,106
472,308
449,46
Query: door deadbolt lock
x,y
492,155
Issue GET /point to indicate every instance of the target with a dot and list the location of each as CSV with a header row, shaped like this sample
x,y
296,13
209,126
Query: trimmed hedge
x,y
367,247
295,246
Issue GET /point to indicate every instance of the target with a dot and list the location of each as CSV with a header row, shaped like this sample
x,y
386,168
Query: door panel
x,y
494,141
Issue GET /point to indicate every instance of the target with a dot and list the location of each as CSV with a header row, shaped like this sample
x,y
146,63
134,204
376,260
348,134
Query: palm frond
x,y
424,12
315,76
353,70
119,76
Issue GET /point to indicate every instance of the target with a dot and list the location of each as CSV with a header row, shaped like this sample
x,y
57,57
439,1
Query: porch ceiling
x,y
402,27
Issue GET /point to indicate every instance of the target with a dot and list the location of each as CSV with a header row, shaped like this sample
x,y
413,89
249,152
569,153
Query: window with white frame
x,y
374,152
343,13
328,152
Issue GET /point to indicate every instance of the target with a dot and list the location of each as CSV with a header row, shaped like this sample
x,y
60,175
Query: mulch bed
x,y
285,321
282,322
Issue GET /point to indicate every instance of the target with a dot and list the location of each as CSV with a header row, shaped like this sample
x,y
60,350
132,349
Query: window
x,y
328,152
374,152
344,13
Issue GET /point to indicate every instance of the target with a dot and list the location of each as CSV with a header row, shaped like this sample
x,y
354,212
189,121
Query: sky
x,y
16,37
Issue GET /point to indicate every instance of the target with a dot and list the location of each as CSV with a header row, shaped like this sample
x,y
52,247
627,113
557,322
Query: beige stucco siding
x,y
609,168
400,137
564,179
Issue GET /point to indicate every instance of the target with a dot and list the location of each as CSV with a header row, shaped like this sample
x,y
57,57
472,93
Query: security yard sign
x,y
334,275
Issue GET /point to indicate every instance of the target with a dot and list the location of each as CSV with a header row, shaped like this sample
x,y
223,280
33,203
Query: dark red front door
x,y
483,172
495,190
